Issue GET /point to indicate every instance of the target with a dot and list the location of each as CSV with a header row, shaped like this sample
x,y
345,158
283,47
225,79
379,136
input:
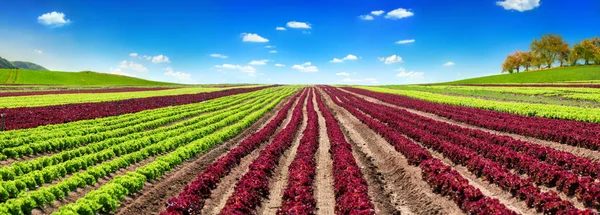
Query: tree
x,y
548,48
564,53
586,50
513,62
527,60
574,56
536,61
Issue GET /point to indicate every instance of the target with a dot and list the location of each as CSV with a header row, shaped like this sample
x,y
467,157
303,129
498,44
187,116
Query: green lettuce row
x,y
107,197
62,143
99,151
527,109
26,201
102,123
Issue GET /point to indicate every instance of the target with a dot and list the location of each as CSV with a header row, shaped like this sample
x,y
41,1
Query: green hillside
x,y
5,63
20,76
568,74
28,65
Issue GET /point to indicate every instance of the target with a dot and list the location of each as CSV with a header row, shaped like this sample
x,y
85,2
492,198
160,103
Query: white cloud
x,y
179,75
133,54
342,74
280,28
245,69
412,75
258,62
519,5
377,12
366,17
37,51
132,66
449,63
273,51
53,19
270,47
294,24
218,56
306,67
399,14
160,59
279,65
405,41
371,80
147,57
118,71
253,38
348,57
391,59
336,60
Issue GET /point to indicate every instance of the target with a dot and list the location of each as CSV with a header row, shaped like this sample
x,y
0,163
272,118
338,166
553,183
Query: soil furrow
x,y
151,199
324,194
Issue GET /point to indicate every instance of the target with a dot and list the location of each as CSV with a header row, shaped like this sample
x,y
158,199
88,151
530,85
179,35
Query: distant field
x,y
584,74
8,76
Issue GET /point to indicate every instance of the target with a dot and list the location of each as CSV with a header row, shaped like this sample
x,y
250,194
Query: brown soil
x,y
279,180
226,186
151,199
401,183
323,184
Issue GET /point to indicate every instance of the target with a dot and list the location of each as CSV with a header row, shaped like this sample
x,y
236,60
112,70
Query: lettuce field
x,y
279,149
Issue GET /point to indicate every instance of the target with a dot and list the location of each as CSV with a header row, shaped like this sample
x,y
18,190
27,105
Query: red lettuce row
x,y
191,200
429,133
575,133
254,184
298,196
439,176
351,191
30,117
104,90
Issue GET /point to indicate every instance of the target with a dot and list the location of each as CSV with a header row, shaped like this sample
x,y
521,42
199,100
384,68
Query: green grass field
x,y
71,78
559,75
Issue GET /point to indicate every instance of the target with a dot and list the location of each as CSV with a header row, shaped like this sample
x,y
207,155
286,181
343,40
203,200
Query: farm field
x,y
306,150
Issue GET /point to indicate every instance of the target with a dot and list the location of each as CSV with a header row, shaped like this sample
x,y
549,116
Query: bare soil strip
x,y
323,186
279,180
587,153
402,183
151,199
226,186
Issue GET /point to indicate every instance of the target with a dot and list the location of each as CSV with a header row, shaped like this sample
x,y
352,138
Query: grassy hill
x,y
20,76
28,65
558,75
5,63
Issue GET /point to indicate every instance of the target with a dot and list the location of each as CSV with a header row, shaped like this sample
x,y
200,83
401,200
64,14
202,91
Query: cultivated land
x,y
258,149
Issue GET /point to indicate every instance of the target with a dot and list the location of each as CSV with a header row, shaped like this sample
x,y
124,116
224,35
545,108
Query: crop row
x,y
77,91
535,85
298,195
28,117
108,196
191,199
48,174
525,109
98,125
254,184
116,145
93,173
62,99
351,191
439,176
573,133
430,133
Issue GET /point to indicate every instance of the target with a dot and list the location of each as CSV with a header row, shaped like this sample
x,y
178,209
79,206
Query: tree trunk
x,y
587,62
517,69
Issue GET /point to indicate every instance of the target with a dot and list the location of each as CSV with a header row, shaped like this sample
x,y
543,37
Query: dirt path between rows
x,y
152,198
279,180
226,186
323,184
587,153
401,183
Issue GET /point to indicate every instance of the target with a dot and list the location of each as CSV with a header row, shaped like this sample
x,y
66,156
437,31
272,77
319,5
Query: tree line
x,y
551,49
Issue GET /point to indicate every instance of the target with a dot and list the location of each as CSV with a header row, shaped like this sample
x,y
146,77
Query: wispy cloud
x,y
273,51
132,66
178,75
448,64
366,17
342,74
251,71
391,59
306,67
279,65
294,24
405,41
377,12
133,54
348,57
258,62
412,75
38,51
160,59
219,56
279,28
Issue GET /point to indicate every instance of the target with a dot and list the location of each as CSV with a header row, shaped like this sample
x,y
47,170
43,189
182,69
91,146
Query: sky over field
x,y
287,42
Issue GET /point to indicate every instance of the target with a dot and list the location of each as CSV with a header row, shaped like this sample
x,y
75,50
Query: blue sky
x,y
174,40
